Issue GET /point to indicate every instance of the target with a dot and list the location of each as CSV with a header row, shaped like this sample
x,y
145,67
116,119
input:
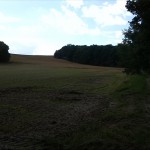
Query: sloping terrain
x,y
52,104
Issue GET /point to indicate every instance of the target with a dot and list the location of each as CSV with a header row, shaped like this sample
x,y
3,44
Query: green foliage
x,y
4,54
138,36
133,85
104,55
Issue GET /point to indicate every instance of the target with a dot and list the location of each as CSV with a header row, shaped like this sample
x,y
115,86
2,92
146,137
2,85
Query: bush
x,y
4,54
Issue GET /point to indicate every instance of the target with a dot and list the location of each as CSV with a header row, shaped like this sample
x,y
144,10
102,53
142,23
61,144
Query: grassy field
x,y
52,104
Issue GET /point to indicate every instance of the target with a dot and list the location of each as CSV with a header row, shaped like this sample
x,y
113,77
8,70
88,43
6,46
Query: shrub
x,y
4,54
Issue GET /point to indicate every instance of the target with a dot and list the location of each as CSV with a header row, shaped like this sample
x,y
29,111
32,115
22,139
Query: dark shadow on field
x,y
34,118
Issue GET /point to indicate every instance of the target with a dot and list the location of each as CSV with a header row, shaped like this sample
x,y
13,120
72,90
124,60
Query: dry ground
x,y
44,97
28,116
52,104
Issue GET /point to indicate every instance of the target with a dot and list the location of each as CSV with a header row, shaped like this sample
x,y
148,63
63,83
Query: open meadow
x,y
53,104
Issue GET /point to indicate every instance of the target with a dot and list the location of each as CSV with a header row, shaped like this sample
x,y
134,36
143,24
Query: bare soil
x,y
29,115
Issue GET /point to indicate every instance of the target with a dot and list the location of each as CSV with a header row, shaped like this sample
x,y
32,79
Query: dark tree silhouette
x,y
4,54
103,55
138,36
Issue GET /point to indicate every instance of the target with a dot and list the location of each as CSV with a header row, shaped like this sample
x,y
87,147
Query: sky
x,y
40,27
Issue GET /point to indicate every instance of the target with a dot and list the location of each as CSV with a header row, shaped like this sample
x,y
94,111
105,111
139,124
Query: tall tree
x,y
138,36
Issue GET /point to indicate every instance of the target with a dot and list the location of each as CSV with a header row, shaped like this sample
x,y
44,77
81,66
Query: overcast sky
x,y
39,27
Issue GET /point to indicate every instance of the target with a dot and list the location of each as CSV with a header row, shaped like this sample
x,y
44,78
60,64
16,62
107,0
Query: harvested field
x,y
52,104
28,116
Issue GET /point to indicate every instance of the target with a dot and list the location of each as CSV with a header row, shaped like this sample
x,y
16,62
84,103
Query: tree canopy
x,y
137,36
103,55
133,54
4,54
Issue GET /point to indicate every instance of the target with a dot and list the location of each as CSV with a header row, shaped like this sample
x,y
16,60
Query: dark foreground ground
x,y
50,104
29,119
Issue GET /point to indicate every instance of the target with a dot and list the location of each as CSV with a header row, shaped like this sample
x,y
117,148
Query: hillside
x,y
49,60
53,104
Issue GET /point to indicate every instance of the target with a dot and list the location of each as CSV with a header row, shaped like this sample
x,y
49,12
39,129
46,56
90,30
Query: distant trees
x,y
103,55
4,54
137,37
134,52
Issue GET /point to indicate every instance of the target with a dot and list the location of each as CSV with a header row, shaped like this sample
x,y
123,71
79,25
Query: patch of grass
x,y
126,121
133,85
124,125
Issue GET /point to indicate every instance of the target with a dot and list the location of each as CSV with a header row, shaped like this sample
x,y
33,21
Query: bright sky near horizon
x,y
40,27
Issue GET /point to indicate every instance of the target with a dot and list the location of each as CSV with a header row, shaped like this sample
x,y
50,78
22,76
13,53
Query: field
x,y
52,104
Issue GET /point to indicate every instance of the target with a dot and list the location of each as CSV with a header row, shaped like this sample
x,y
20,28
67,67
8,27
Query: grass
x,y
129,118
135,84
47,103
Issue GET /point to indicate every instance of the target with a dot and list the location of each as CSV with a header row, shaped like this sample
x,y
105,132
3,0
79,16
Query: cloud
x,y
8,19
2,27
30,40
74,3
38,47
107,14
72,21
45,48
68,21
118,34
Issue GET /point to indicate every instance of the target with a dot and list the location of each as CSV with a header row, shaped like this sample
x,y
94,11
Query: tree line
x,y
103,55
133,53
